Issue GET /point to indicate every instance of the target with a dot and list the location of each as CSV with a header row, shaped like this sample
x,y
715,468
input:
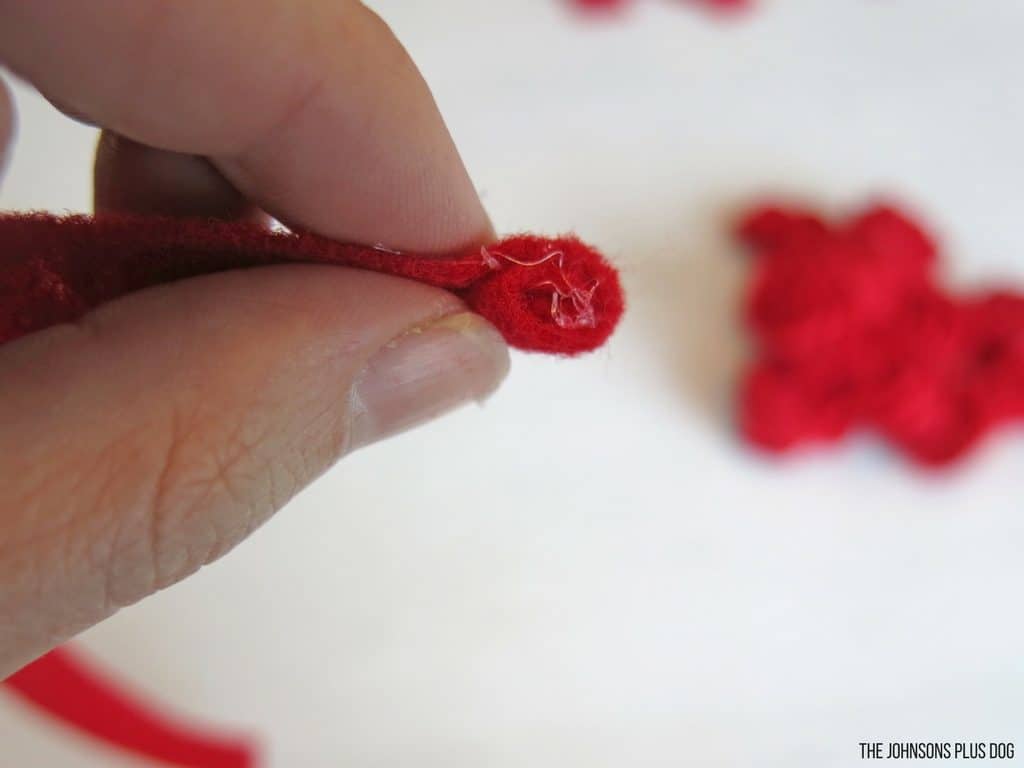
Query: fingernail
x,y
424,373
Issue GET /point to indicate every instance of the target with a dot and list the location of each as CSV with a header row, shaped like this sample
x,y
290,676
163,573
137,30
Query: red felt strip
x,y
557,296
74,693
854,331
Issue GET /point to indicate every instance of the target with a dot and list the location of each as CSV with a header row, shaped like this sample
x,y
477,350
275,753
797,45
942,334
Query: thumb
x,y
153,436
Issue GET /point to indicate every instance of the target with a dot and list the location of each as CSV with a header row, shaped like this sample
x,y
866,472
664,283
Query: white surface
x,y
589,571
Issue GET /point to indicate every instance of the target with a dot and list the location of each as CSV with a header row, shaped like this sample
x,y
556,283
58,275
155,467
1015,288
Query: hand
x,y
151,437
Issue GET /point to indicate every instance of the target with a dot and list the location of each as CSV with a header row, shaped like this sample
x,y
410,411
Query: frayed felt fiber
x,y
557,296
618,5
854,332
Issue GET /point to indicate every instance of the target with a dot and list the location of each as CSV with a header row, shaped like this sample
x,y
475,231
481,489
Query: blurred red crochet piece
x,y
557,296
855,332
616,5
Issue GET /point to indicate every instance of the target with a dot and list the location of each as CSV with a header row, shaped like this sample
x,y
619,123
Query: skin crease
x,y
134,178
6,124
150,438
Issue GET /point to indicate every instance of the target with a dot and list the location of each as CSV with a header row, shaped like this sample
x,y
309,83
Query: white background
x,y
590,570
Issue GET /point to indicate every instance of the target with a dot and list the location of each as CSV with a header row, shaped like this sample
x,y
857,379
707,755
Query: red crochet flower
x,y
853,331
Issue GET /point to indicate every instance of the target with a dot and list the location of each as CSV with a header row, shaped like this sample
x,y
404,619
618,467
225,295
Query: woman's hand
x,y
151,437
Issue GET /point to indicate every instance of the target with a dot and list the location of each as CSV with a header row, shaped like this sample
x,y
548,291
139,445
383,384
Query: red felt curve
x,y
78,695
558,296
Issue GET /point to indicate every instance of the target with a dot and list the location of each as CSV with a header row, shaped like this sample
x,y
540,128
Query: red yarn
x,y
557,296
68,690
854,332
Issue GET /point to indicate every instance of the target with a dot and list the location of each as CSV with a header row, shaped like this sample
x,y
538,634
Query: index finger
x,y
310,107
